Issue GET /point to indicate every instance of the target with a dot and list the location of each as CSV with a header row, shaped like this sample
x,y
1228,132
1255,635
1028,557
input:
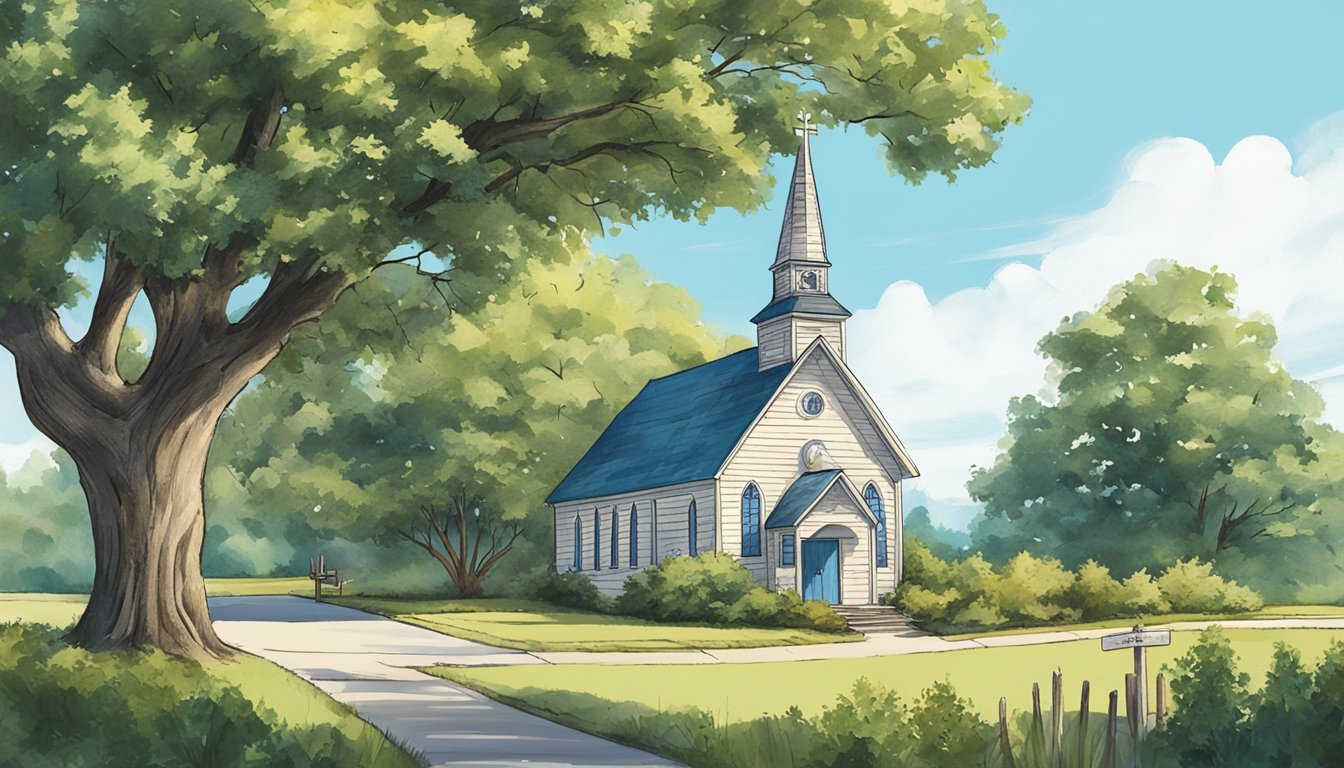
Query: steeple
x,y
801,307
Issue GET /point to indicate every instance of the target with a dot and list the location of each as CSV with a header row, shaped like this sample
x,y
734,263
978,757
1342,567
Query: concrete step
x,y
870,619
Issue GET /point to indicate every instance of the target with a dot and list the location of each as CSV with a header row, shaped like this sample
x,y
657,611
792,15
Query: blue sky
x,y
1105,78
952,283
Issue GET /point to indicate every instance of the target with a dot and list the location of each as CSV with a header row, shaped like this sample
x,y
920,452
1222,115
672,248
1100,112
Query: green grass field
x,y
534,626
288,585
738,692
1268,612
295,701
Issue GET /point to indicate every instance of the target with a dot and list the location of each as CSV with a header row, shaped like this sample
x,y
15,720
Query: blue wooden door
x,y
821,570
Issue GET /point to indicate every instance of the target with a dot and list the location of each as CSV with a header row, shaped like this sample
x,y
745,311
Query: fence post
x,y
1082,726
1057,718
1005,746
1161,701
1132,706
1108,754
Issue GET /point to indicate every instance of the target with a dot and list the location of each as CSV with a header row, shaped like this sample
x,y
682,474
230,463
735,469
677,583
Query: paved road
x,y
364,661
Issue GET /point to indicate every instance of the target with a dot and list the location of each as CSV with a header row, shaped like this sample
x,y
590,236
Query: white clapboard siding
x,y
782,577
835,516
806,331
662,538
770,456
774,341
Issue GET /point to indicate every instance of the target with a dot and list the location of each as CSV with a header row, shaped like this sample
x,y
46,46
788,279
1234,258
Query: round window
x,y
813,404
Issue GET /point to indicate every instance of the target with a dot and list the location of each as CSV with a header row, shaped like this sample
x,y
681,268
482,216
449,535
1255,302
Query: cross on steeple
x,y
807,127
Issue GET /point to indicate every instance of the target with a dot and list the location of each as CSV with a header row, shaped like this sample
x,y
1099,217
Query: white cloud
x,y
944,371
14,456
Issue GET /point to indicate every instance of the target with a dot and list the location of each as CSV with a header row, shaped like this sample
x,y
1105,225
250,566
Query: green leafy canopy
x,y
330,133
1175,432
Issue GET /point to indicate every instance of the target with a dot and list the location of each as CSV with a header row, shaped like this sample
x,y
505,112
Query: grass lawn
x,y
535,626
589,695
295,702
288,585
1268,612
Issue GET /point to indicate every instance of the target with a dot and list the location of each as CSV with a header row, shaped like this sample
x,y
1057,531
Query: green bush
x,y
714,588
872,726
972,594
1296,718
1191,587
569,590
67,707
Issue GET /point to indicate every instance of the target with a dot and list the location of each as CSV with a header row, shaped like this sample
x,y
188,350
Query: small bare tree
x,y
459,532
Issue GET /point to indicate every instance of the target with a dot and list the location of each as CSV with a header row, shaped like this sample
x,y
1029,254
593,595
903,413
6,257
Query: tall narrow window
x,y
615,540
874,499
597,540
634,536
691,533
578,543
751,521
786,545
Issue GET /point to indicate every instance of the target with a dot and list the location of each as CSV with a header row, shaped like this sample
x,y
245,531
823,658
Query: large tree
x,y
294,146
1174,432
388,413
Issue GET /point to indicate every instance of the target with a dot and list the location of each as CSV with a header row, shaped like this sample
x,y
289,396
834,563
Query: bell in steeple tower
x,y
801,307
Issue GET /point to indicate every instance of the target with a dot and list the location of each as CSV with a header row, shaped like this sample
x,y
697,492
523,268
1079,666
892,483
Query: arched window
x,y
634,536
578,543
874,499
691,533
615,540
751,521
597,540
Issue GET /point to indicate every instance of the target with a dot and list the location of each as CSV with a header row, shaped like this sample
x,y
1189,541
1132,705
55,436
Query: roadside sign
x,y
1139,638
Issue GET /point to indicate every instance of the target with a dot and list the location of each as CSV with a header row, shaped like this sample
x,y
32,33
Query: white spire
x,y
802,237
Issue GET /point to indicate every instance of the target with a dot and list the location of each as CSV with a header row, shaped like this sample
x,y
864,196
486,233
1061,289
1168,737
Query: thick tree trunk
x,y
146,505
141,447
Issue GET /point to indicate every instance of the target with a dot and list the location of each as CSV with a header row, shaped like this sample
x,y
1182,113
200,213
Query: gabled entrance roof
x,y
804,494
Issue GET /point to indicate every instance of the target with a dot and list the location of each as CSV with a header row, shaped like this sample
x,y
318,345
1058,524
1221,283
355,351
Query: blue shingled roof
x,y
806,303
678,429
800,497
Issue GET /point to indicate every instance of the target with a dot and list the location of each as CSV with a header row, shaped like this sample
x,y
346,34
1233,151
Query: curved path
x,y
365,661
368,662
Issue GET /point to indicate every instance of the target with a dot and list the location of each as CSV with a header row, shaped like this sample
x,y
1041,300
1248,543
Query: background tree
x,y
283,150
373,418
1174,432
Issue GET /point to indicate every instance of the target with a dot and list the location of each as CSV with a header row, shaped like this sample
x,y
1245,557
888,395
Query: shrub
x,y
972,594
569,590
65,706
872,726
1191,587
715,588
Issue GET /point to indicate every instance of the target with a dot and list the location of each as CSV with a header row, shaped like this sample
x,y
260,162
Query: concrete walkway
x,y
910,642
364,661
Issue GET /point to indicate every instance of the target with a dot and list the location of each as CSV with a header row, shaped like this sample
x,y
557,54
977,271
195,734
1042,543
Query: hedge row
x,y
971,594
712,588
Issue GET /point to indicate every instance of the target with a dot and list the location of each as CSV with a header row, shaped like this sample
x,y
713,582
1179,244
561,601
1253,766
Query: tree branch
x,y
602,148
261,127
121,285
488,133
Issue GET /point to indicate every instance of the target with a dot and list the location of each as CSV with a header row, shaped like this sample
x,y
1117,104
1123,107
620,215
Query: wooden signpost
x,y
1140,640
320,575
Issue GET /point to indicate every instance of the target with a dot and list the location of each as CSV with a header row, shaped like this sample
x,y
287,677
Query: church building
x,y
774,454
